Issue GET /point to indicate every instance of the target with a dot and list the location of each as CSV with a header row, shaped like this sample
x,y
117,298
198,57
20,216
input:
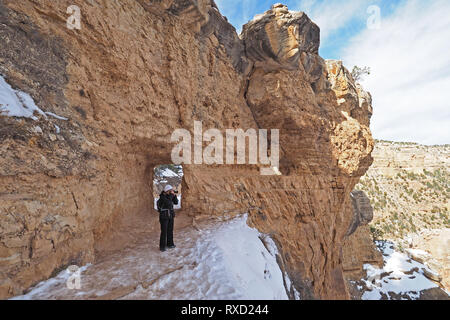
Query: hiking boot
x,y
172,247
162,249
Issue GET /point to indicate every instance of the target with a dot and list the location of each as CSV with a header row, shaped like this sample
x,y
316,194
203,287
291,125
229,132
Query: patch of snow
x,y
297,295
168,173
15,103
51,114
418,251
399,275
47,285
249,266
58,129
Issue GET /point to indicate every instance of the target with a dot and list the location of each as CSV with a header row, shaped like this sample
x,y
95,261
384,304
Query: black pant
x,y
166,239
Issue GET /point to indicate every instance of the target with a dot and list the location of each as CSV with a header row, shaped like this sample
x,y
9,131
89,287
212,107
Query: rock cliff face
x,y
359,248
136,71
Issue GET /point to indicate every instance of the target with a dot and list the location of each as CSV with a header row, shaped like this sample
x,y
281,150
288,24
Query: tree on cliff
x,y
358,73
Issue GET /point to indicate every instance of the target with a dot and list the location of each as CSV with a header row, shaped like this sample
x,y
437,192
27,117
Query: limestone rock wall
x,y
136,71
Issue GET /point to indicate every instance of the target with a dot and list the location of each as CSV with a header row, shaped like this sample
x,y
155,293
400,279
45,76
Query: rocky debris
x,y
436,243
136,71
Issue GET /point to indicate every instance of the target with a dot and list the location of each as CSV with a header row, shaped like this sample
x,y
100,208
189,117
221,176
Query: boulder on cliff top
x,y
280,36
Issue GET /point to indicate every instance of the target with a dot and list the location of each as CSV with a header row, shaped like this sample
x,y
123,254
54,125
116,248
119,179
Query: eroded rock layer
x,y
134,72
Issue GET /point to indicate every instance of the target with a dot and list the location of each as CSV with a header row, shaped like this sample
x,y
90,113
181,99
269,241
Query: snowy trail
x,y
226,260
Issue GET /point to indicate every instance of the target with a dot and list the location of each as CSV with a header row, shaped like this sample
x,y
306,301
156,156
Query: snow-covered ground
x,y
218,260
162,172
400,276
168,173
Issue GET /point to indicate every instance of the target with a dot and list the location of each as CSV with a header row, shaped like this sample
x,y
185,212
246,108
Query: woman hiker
x,y
165,203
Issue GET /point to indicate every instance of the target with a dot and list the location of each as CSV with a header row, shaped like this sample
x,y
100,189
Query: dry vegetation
x,y
407,202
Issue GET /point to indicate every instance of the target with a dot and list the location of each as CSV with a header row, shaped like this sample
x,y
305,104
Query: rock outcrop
x,y
359,247
362,211
134,72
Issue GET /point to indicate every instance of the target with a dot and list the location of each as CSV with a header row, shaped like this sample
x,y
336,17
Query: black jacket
x,y
166,202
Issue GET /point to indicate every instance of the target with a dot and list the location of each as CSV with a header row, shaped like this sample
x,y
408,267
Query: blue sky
x,y
408,53
339,20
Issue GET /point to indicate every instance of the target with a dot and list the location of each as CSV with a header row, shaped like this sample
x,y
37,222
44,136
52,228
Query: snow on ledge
x,y
399,275
15,103
51,114
250,267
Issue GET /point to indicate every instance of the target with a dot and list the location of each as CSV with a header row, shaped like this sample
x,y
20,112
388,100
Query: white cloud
x,y
410,81
332,15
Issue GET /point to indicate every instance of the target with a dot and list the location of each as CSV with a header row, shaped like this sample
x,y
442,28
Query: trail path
x,y
220,260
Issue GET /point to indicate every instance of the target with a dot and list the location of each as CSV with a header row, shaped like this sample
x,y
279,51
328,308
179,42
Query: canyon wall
x,y
391,158
408,185
119,87
408,188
